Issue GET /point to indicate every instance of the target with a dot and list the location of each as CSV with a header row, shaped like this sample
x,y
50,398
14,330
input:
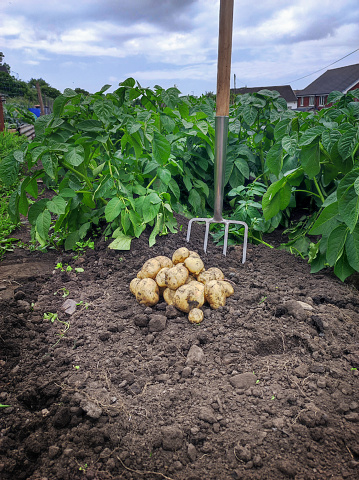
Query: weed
x,y
83,468
263,299
65,292
76,367
51,316
4,406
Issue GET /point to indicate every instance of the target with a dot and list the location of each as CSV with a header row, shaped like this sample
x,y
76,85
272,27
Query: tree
x,y
81,90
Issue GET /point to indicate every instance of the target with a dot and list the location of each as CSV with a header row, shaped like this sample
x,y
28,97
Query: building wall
x,y
317,105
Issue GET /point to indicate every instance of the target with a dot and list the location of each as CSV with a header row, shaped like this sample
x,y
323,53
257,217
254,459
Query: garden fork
x,y
221,128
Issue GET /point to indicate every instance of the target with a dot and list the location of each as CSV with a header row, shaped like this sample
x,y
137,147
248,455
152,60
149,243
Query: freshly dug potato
x,y
205,276
228,288
149,269
214,293
196,284
176,276
147,292
161,277
180,255
133,285
168,295
188,297
194,265
193,254
164,261
190,279
195,315
218,274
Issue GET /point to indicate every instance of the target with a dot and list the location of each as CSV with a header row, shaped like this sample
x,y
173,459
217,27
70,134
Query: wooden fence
x,y
27,130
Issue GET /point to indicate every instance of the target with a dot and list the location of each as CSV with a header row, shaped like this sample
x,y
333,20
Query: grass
x,y
8,143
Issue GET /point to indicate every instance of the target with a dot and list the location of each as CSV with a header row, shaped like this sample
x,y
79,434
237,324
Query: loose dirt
x,y
266,387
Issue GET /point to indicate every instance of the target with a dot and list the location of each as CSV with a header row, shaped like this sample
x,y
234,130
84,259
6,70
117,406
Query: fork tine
x,y
226,223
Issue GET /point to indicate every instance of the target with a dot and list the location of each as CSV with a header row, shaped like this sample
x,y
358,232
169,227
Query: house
x,y
285,92
340,79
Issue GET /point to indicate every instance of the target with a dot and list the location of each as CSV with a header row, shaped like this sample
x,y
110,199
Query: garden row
x,y
125,160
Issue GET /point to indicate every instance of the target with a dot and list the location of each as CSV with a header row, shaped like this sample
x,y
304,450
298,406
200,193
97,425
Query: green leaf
x,y
334,96
35,210
352,248
348,143
161,148
310,135
137,223
249,114
290,144
56,205
90,126
282,128
342,269
113,209
43,223
75,156
173,186
164,175
348,205
242,166
71,240
326,221
150,211
9,170
68,92
155,231
274,159
310,160
194,199
103,110
121,242
49,162
32,188
276,198
336,242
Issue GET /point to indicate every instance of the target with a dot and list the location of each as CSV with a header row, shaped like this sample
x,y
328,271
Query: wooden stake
x,y
42,111
2,121
224,57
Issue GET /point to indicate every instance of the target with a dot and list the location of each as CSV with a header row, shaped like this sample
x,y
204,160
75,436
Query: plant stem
x,y
319,190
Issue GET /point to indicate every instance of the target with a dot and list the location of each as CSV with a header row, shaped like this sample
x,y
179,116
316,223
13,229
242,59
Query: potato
x,y
180,255
194,265
188,297
161,277
214,293
147,292
227,287
218,274
195,315
190,279
196,284
164,261
205,276
149,269
193,254
176,276
133,285
168,295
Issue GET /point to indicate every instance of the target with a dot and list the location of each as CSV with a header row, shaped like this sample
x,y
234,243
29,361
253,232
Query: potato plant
x,y
182,282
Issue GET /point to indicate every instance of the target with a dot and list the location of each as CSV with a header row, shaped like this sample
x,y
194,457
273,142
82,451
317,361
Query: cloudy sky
x,y
90,43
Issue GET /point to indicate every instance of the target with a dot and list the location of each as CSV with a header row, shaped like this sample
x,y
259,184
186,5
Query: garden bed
x,y
265,388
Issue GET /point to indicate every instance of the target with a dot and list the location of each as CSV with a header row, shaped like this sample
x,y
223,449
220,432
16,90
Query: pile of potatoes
x,y
183,282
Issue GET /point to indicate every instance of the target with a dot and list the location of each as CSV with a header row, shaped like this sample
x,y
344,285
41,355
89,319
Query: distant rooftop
x,y
339,79
285,91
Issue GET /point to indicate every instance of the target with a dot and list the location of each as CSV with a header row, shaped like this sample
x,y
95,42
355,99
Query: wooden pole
x,y
2,121
42,111
224,57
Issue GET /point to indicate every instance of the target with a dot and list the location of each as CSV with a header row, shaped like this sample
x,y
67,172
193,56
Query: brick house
x,y
285,92
315,95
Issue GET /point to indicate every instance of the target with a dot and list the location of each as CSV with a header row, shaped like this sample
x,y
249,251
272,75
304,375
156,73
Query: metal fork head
x,y
208,221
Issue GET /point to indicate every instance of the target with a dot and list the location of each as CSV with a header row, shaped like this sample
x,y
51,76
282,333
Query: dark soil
x,y
265,388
